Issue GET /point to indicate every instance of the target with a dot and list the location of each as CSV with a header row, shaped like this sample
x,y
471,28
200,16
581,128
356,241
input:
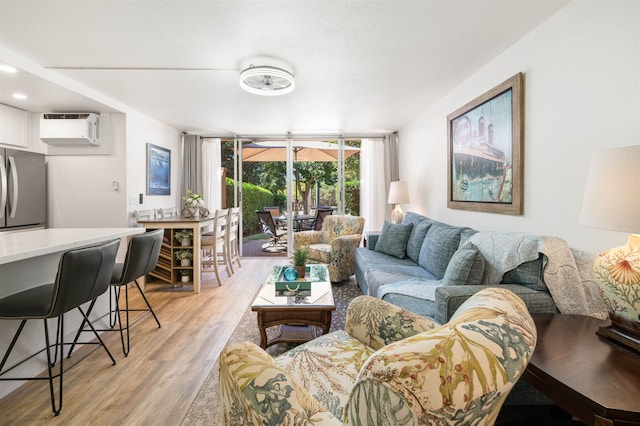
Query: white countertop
x,y
19,245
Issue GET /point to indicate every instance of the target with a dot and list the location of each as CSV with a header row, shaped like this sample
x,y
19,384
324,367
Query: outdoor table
x,y
298,220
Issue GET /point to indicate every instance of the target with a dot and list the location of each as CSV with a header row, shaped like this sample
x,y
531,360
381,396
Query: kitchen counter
x,y
29,258
19,245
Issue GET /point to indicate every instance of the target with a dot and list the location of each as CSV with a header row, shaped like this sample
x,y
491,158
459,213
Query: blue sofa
x,y
424,280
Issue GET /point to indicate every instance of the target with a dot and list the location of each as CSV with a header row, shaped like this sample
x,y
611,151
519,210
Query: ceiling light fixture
x,y
19,96
267,80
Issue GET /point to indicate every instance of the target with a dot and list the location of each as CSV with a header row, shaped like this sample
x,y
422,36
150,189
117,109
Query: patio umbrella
x,y
302,151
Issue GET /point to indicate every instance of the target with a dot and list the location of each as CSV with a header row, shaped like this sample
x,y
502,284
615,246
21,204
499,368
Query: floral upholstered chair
x,y
388,366
335,244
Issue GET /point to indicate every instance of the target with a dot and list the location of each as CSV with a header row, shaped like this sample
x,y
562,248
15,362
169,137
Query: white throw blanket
x,y
571,292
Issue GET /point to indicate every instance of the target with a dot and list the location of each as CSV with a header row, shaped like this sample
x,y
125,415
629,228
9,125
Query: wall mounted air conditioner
x,y
70,129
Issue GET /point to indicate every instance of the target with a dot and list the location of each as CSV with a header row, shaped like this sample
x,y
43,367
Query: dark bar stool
x,y
142,256
83,275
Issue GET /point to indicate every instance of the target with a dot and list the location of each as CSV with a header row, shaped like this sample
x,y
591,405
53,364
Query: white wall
x,y
142,130
81,192
582,94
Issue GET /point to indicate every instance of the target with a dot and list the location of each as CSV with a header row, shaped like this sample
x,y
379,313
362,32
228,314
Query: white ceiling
x,y
365,66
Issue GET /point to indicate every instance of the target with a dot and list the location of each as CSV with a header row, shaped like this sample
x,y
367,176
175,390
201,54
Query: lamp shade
x,y
612,199
398,192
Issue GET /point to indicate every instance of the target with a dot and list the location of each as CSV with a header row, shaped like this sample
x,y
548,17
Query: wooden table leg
x,y
263,331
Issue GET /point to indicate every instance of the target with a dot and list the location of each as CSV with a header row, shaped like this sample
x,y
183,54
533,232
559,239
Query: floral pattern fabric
x,y
334,245
389,366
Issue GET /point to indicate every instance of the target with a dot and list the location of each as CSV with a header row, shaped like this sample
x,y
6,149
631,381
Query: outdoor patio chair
x,y
275,215
316,223
277,237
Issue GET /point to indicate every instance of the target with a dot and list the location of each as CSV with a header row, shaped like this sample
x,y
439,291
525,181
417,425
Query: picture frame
x,y
158,170
485,155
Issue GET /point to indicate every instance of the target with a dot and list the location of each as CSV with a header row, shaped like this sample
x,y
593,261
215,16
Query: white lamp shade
x,y
612,195
398,192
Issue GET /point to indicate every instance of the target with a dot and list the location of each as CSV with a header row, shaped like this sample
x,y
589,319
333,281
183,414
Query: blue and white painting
x,y
158,170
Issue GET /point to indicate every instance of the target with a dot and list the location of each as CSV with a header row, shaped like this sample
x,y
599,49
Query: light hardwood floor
x,y
157,382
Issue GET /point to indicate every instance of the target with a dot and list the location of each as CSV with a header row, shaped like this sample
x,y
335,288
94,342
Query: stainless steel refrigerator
x,y
23,192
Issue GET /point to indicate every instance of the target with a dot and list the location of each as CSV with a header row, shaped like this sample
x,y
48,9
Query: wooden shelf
x,y
168,267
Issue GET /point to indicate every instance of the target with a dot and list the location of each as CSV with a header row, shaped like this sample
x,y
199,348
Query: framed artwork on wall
x,y
158,170
484,164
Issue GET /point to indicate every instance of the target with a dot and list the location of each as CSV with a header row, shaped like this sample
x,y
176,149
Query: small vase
x,y
302,269
185,242
290,274
185,262
185,278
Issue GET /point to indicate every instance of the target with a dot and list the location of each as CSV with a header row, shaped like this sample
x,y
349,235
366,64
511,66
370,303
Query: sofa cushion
x,y
394,273
465,267
466,233
528,274
416,238
438,248
415,218
393,239
419,306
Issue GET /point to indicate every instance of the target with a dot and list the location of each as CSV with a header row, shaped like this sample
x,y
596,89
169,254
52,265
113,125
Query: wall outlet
x,y
133,200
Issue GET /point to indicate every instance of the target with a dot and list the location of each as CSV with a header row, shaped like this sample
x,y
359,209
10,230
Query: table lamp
x,y
612,201
398,194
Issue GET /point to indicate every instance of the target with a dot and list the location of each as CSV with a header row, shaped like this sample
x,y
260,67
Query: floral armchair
x,y
334,244
388,366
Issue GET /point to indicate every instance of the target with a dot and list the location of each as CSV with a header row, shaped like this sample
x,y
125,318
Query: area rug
x,y
205,409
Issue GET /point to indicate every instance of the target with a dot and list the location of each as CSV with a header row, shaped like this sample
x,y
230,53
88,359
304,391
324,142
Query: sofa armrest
x,y
306,238
449,298
372,239
377,323
255,390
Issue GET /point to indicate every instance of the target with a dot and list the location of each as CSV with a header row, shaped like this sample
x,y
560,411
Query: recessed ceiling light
x,y
267,80
8,68
19,96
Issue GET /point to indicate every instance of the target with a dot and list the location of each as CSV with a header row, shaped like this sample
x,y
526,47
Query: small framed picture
x,y
158,170
485,151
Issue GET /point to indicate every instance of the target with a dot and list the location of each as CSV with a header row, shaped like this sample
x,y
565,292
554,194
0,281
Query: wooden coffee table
x,y
299,317
594,379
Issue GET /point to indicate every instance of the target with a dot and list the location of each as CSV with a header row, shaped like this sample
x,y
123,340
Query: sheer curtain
x,y
211,173
373,184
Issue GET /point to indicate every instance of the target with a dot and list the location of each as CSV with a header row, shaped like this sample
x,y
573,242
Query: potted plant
x,y
185,275
184,237
193,202
184,256
300,257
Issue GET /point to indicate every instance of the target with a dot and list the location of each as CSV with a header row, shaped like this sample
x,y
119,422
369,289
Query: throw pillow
x,y
465,267
393,239
416,238
438,248
528,274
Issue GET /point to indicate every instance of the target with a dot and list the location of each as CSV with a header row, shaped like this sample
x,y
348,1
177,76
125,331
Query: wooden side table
x,y
594,379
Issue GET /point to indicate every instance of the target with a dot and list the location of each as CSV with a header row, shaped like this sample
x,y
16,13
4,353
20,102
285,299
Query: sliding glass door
x,y
292,175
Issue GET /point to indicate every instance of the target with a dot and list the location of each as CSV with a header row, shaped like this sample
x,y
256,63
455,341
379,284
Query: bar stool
x,y
232,237
215,245
83,275
141,258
